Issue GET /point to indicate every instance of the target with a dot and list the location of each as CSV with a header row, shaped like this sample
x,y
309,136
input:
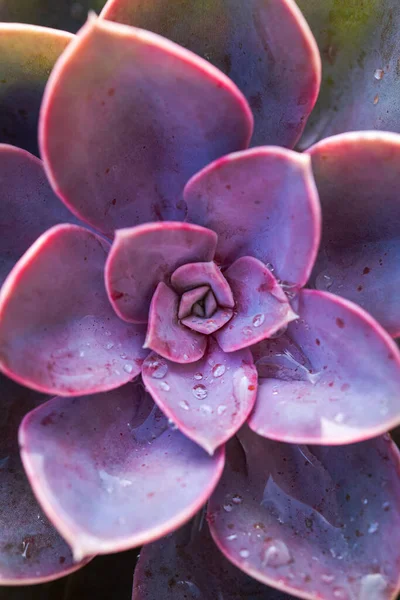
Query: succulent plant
x,y
196,335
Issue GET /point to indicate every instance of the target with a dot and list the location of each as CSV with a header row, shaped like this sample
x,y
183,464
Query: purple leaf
x,y
262,307
187,564
141,257
127,118
358,178
311,521
189,276
334,378
208,400
31,551
29,206
109,471
261,203
360,46
165,333
27,55
249,42
58,332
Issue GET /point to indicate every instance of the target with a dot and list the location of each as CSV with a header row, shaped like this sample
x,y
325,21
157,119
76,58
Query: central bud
x,y
206,301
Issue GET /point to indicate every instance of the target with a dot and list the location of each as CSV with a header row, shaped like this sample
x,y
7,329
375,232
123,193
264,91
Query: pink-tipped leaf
x,y
110,472
208,400
58,332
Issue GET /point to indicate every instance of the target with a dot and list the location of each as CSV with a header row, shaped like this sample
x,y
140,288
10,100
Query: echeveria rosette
x,y
236,238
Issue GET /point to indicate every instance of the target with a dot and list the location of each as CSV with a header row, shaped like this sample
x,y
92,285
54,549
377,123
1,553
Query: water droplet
x,y
159,368
27,544
244,553
206,409
373,528
123,355
324,281
364,500
379,73
189,588
247,331
340,593
221,409
236,499
373,586
198,376
258,320
199,391
128,368
164,386
376,100
172,425
81,353
339,418
326,578
274,392
218,370
185,357
277,554
109,346
270,267
183,404
386,506
228,507
231,537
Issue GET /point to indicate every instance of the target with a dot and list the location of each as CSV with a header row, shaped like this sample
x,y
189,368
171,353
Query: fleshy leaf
x,y
31,551
359,45
187,564
208,400
62,14
189,276
249,42
311,521
143,256
27,55
358,178
262,203
209,325
333,378
58,332
109,471
165,334
262,307
127,118
28,204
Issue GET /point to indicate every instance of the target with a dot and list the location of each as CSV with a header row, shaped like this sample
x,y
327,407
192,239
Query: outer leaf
x,y
360,47
28,205
62,14
166,335
249,42
358,178
187,564
31,551
262,307
143,256
208,400
27,55
333,379
261,203
58,332
103,466
127,118
313,522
